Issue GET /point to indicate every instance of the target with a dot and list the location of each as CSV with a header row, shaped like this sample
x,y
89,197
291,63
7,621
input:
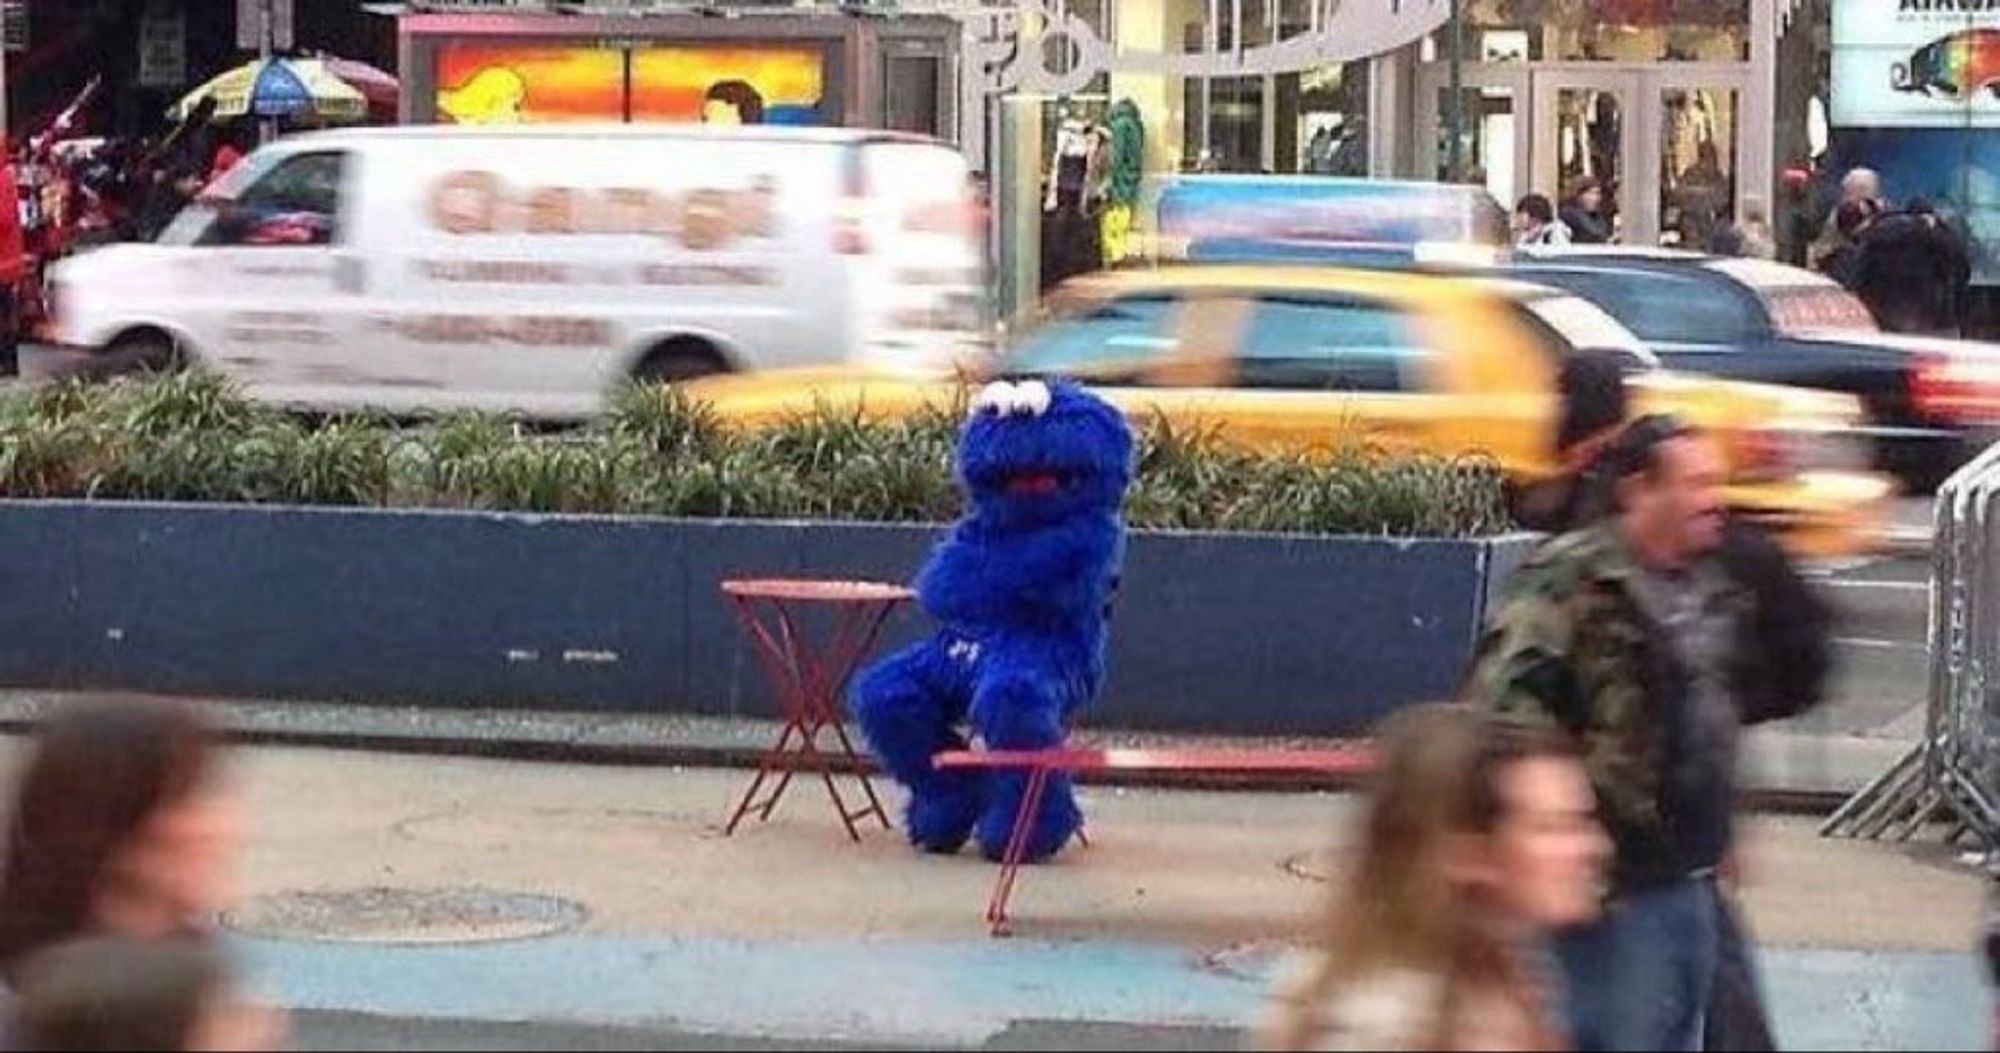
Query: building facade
x,y
1672,104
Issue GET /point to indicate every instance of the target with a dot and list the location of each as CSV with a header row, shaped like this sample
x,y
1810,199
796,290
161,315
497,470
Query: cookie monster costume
x,y
1022,587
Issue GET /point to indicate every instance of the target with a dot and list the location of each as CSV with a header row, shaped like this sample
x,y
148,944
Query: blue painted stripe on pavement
x,y
961,993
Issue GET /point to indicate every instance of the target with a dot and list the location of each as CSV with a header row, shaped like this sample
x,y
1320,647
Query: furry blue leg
x,y
1017,709
907,706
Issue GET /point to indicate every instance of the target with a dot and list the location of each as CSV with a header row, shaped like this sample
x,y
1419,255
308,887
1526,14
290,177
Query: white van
x,y
533,270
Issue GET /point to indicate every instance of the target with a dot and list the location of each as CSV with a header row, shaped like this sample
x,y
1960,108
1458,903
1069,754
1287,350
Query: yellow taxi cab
x,y
1315,358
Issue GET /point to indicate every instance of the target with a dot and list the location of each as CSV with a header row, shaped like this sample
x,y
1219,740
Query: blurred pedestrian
x,y
1851,221
1747,237
1478,842
1536,225
1584,214
1784,639
1625,635
110,993
13,268
1593,404
121,825
1860,186
1909,267
1992,941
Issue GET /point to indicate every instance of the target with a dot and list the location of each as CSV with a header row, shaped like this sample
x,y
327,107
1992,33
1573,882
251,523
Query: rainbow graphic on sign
x,y
1954,67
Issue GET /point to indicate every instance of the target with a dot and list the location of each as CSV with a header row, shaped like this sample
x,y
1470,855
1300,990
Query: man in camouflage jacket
x,y
1627,635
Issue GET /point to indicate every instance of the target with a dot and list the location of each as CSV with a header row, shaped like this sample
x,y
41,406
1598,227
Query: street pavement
x,y
1162,934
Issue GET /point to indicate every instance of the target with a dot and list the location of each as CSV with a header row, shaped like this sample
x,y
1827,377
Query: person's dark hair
x,y
1591,384
100,772
1636,451
1537,208
106,993
1584,186
749,104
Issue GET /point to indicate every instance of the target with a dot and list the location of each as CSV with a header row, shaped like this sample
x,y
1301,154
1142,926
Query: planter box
x,y
1215,633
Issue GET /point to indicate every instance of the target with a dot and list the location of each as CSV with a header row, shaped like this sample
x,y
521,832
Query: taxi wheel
x,y
678,361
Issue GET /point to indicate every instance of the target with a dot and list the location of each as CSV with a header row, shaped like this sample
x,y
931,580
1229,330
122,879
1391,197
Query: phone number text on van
x,y
529,330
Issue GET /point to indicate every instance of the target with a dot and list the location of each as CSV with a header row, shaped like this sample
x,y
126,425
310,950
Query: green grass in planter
x,y
663,419
344,461
177,403
195,438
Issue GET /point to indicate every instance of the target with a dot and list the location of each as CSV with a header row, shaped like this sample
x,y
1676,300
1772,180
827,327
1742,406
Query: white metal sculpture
x,y
1008,44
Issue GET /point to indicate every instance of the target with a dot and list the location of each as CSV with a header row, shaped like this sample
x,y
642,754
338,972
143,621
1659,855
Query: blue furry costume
x,y
1022,588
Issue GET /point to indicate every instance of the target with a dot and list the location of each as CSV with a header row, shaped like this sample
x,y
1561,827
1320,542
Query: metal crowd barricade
x,y
1953,775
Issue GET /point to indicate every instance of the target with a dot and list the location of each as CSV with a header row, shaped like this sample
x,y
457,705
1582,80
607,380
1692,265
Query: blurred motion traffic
x,y
1564,438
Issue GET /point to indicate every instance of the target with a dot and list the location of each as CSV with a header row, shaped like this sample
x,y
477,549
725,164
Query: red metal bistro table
x,y
810,673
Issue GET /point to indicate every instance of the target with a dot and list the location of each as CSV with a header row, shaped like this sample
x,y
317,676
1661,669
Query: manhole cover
x,y
401,915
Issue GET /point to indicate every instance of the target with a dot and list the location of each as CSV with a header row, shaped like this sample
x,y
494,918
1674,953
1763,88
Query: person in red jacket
x,y
13,269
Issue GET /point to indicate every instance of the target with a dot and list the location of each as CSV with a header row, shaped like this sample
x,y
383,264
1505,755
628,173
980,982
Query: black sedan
x,y
1930,403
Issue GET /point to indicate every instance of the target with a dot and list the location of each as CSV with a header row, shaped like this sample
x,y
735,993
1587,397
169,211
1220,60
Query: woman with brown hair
x,y
121,825
1480,839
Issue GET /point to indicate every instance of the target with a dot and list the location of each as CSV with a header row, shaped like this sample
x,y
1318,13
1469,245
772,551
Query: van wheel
x,y
679,361
144,351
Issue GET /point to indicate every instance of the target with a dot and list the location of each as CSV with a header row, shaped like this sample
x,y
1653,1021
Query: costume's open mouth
x,y
1038,484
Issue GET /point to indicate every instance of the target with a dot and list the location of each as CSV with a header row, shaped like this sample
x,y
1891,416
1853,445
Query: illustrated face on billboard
x,y
728,85
481,83
516,84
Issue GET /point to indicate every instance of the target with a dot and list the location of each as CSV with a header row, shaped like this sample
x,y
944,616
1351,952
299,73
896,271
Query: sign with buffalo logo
x,y
1916,63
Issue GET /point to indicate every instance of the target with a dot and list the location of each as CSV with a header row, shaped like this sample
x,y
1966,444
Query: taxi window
x,y
1329,344
1663,308
1129,330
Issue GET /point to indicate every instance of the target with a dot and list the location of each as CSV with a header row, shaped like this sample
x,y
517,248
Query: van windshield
x,y
269,199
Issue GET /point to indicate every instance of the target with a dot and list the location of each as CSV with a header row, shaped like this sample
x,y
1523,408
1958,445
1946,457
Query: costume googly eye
x,y
1034,398
998,399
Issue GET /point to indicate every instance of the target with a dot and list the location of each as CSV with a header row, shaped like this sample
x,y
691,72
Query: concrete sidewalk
x,y
1791,766
1172,919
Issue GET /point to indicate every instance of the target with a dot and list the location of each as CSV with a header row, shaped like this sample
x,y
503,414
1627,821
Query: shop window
x,y
910,103
1323,121
1603,31
1329,344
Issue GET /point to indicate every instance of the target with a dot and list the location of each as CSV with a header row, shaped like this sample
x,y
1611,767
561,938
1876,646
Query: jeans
x,y
1737,1020
1641,977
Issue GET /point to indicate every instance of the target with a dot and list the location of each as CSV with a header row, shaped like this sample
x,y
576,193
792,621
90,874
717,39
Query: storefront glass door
x,y
1663,140
1584,130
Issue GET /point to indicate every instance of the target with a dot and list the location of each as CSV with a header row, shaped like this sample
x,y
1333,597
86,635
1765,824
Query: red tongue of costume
x,y
1033,483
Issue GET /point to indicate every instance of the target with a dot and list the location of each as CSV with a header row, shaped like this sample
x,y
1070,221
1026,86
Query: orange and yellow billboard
x,y
482,83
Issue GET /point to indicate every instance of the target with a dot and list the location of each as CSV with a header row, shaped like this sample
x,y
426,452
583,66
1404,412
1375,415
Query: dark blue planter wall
x,y
1212,632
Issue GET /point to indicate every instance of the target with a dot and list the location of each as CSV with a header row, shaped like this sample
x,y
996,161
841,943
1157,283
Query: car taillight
x,y
1955,388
